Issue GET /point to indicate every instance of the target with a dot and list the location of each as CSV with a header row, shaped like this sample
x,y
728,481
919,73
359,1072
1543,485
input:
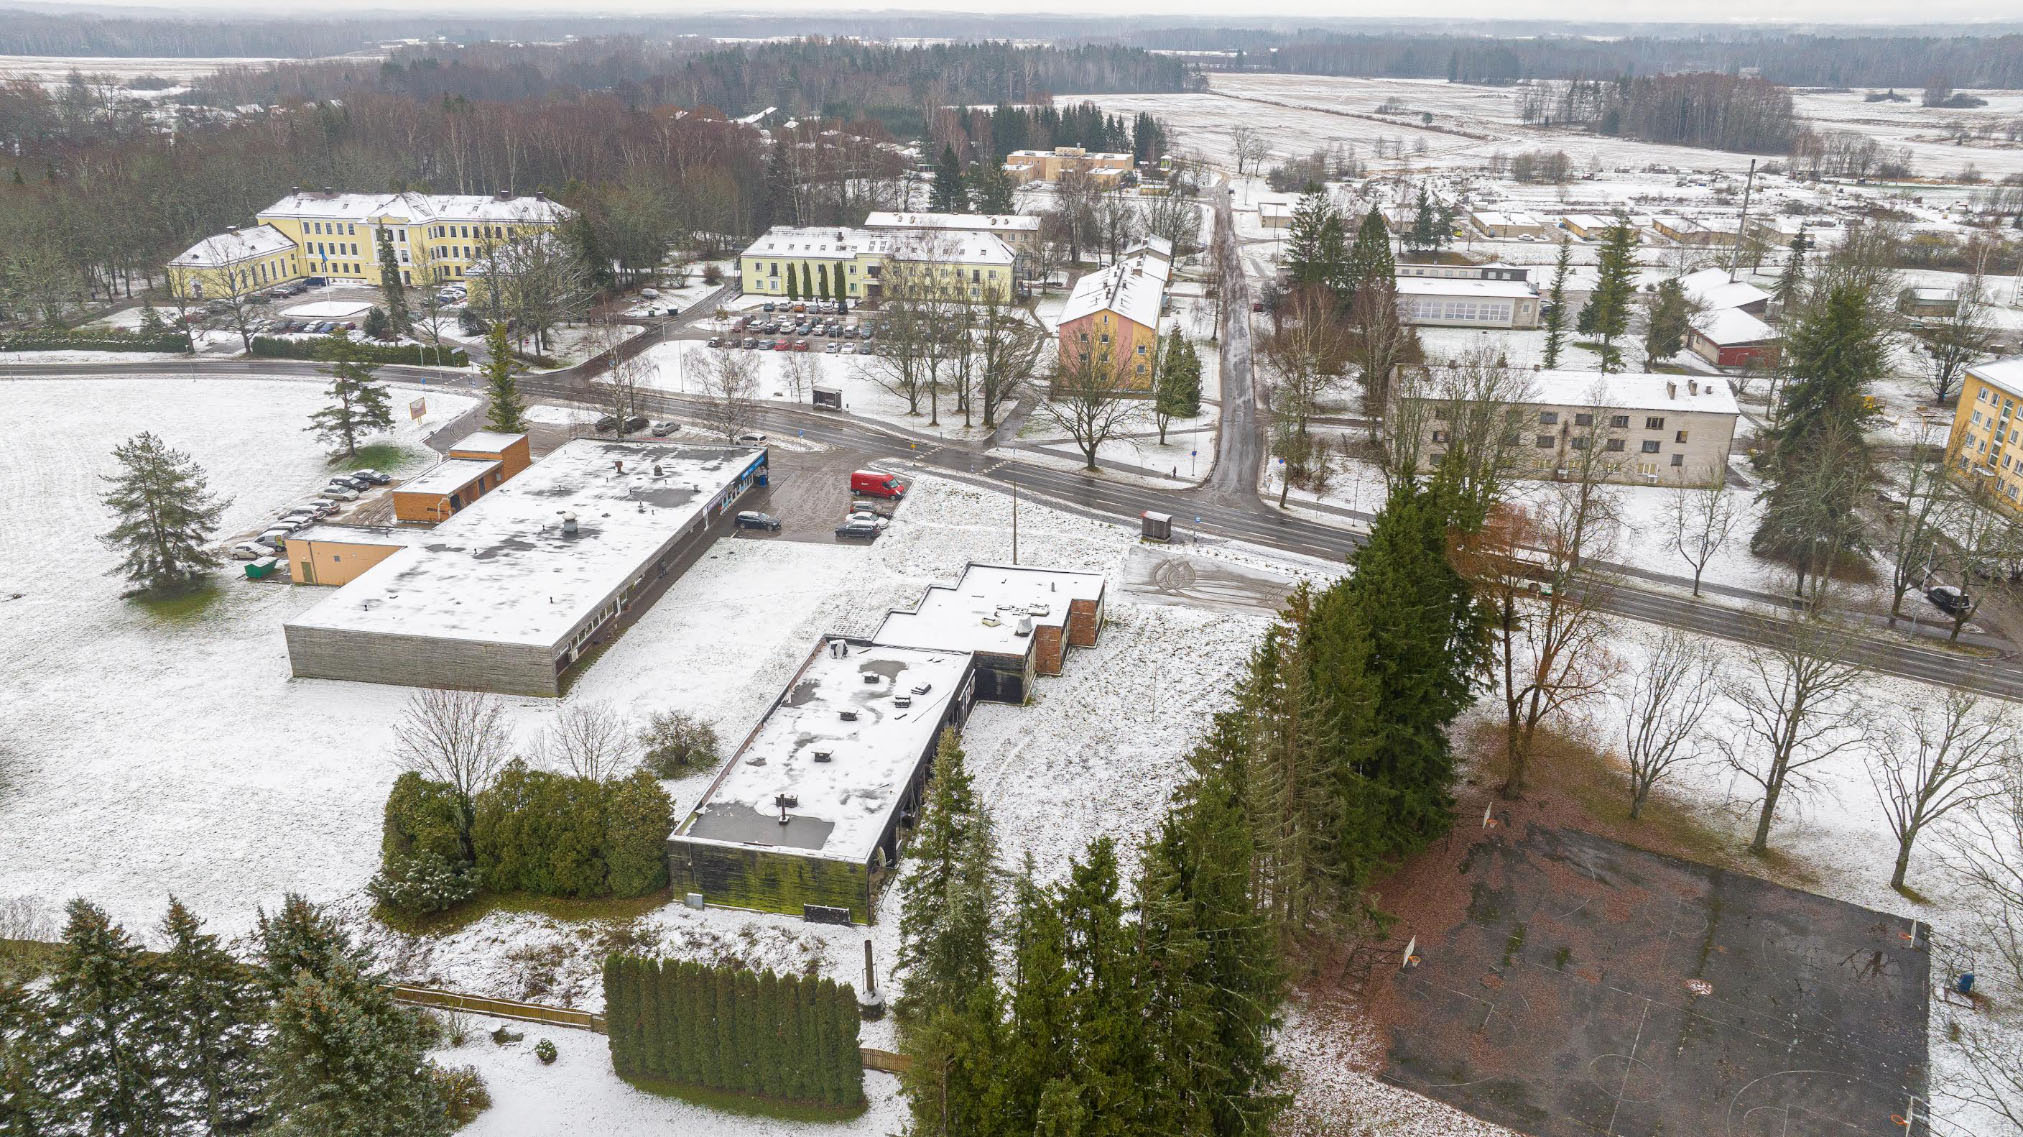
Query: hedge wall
x,y
270,347
108,339
781,1038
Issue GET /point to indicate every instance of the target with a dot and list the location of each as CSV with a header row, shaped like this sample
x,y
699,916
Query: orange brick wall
x,y
1085,620
332,562
1125,338
1047,649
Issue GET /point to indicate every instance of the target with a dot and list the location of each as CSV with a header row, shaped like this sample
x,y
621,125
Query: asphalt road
x,y
1237,453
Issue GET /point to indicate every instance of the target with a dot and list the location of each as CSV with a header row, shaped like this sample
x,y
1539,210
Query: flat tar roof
x,y
845,776
503,571
1449,286
984,610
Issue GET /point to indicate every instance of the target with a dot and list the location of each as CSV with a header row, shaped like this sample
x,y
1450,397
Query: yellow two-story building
x,y
1984,453
817,263
435,238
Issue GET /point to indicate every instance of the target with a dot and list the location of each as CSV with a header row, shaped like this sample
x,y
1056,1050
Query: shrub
x,y
557,835
638,816
463,1093
96,339
712,274
418,355
423,883
545,1051
420,817
674,741
472,324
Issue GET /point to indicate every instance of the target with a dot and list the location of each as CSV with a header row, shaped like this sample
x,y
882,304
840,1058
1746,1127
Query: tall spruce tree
x,y
1105,996
1791,283
392,286
991,188
215,1015
1838,347
1668,315
1606,315
1553,312
1426,644
1038,1033
949,900
103,1066
955,1084
1177,392
1426,233
1314,251
347,1062
505,410
358,406
24,1043
1369,259
166,514
948,194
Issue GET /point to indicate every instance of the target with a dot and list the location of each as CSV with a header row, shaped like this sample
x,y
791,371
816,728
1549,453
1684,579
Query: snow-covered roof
x,y
986,222
486,441
1933,293
967,247
2006,374
1726,327
1637,391
1154,244
448,476
1711,288
418,207
233,247
503,570
1134,289
846,775
985,610
1447,286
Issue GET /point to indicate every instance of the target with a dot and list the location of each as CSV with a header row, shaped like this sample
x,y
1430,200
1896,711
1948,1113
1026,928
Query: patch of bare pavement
x,y
1160,577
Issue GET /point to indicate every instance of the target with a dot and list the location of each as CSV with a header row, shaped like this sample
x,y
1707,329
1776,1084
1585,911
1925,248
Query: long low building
x,y
1018,621
1444,302
830,262
806,817
509,593
1668,429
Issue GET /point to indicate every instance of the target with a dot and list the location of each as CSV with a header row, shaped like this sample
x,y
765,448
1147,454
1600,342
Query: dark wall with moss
x,y
769,881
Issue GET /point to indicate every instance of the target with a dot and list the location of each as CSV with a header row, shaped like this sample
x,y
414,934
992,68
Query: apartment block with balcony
x,y
1982,452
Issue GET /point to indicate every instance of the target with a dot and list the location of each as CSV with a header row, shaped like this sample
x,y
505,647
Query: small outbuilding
x,y
1018,621
1929,303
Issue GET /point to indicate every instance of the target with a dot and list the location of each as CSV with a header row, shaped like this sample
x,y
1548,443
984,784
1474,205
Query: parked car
x,y
248,551
341,493
372,475
770,306
663,429
273,539
1950,600
716,341
649,293
872,518
871,483
866,505
753,519
800,345
301,517
751,342
833,347
358,481
858,530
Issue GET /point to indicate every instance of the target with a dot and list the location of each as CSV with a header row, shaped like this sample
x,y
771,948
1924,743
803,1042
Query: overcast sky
x,y
1614,11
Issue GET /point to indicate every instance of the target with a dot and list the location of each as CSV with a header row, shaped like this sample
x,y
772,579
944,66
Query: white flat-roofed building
x,y
1019,621
508,593
1441,302
1018,230
1501,223
808,813
1667,429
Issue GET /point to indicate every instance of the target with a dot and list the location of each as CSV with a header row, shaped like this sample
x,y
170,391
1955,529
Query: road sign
x,y
417,408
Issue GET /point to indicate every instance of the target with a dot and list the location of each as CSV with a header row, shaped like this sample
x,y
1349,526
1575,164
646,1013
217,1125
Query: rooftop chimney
x,y
1671,389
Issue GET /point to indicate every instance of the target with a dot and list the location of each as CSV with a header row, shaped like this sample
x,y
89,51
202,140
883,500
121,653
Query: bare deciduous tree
x,y
1664,703
1703,520
1094,400
1955,342
591,741
1928,759
801,370
1006,344
623,373
1794,700
1466,415
458,738
1976,538
727,382
1912,544
1306,354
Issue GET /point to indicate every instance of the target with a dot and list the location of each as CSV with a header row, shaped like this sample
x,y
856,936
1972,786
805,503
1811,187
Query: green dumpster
x,y
262,568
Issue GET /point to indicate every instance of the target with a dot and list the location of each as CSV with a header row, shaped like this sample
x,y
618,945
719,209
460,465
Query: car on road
x,y
858,530
716,341
1948,599
751,436
753,519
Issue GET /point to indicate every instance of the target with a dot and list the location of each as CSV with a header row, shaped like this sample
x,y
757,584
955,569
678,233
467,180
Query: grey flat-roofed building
x,y
508,594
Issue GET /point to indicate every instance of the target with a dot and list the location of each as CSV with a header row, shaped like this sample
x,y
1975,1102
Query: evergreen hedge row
x,y
106,339
531,831
271,347
686,1024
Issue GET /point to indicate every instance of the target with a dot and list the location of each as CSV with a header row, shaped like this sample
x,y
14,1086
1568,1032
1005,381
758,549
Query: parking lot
x,y
818,327
809,493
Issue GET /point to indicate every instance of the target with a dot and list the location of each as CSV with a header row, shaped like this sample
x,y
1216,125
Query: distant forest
x,y
837,79
1793,60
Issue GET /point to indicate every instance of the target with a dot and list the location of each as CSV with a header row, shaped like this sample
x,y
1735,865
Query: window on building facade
x,y
1583,420
1580,442
1654,423
1679,437
1651,447
1678,459
1548,418
1544,442
1614,446
1620,420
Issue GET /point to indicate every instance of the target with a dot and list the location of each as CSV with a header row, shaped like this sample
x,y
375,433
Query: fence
x,y
884,1060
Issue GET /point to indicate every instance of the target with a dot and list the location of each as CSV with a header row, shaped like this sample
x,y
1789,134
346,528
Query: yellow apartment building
x,y
1983,453
1048,165
825,262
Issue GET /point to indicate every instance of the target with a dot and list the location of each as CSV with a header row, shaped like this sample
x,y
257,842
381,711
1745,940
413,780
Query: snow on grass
x,y
580,1094
675,368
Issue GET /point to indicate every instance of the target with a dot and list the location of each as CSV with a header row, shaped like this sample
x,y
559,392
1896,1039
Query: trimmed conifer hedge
x,y
688,1025
419,355
96,339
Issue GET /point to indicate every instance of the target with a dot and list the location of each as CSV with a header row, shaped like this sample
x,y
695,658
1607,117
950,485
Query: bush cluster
x,y
270,347
97,339
675,741
531,831
783,1038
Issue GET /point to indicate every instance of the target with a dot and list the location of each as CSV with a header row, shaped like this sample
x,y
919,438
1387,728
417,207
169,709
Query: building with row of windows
x,y
435,238
831,263
1048,165
1110,324
1664,429
1981,452
1432,301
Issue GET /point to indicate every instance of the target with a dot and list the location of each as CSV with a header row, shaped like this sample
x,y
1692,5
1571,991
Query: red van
x,y
873,484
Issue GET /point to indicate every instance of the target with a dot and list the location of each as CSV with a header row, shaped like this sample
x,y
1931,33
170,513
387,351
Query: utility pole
x,y
1015,511
1742,226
